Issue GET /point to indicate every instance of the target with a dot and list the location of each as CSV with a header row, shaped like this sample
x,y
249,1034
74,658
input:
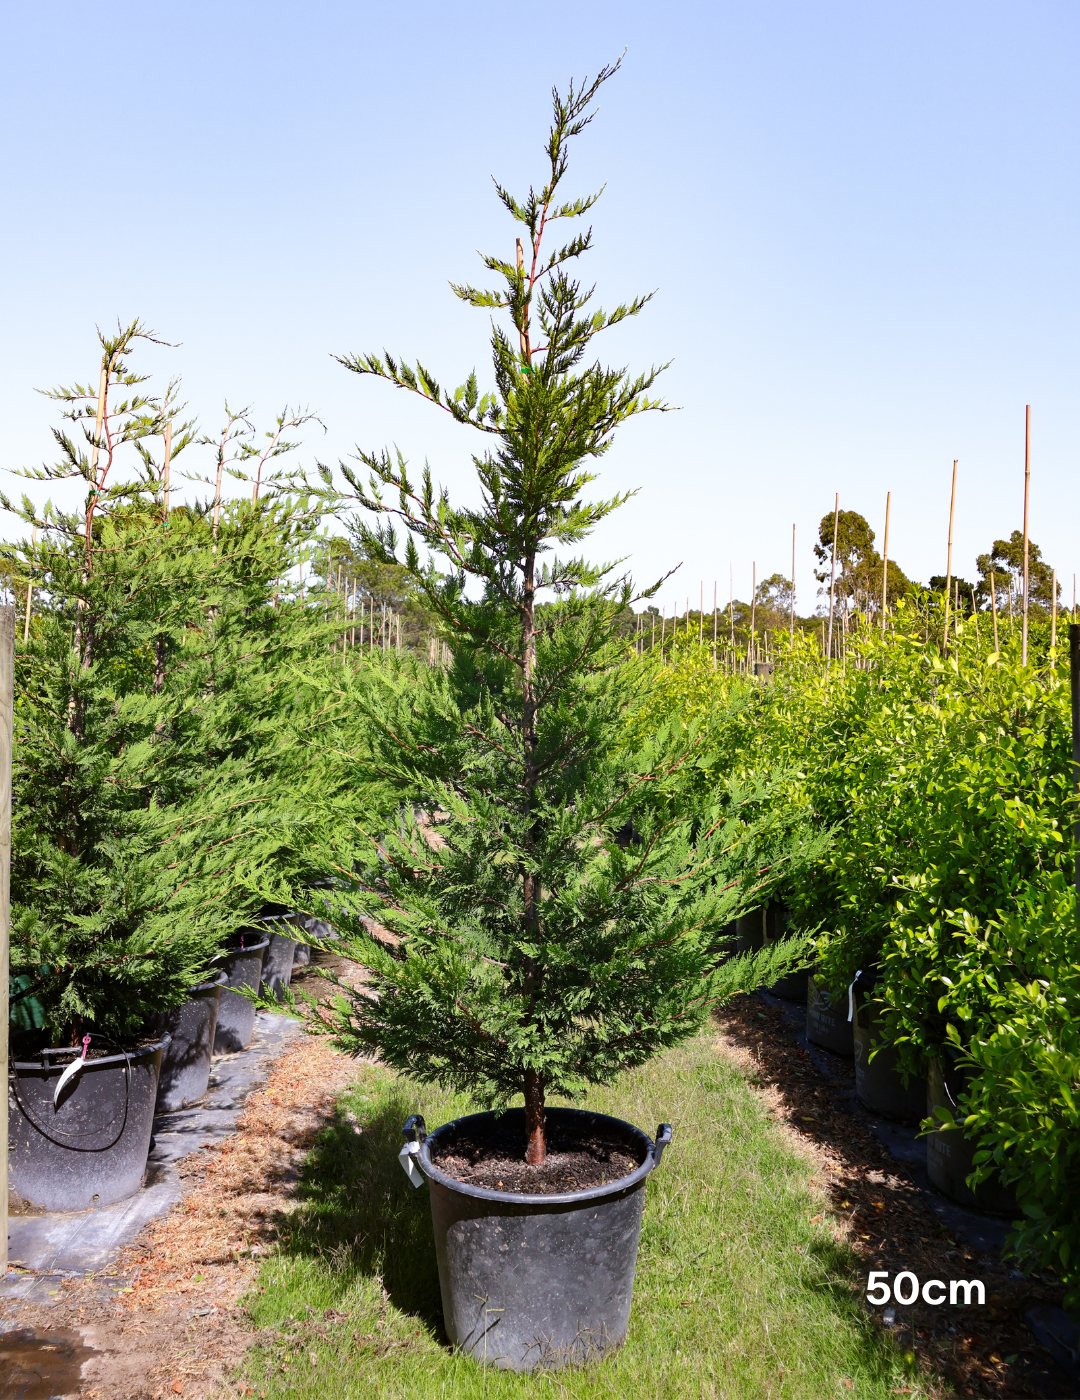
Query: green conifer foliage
x,y
152,694
555,895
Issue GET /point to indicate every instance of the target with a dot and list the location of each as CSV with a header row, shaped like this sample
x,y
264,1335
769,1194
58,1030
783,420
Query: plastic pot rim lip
x,y
130,1058
219,980
563,1198
251,948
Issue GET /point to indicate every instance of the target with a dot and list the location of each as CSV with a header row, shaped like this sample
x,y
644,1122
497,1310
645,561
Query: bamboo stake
x,y
832,579
1053,608
652,631
7,695
217,488
975,615
688,615
29,591
1027,483
731,610
701,615
714,625
165,468
993,603
791,620
345,615
948,569
663,628
753,610
885,564
1074,686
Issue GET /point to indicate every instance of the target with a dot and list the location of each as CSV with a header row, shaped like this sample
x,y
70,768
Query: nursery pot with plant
x,y
530,951
79,1123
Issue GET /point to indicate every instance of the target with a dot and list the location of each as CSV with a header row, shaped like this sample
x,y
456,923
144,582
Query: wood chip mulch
x,y
889,1222
166,1321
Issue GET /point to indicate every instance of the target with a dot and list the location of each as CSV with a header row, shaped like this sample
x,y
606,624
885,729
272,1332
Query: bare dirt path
x,y
889,1221
165,1321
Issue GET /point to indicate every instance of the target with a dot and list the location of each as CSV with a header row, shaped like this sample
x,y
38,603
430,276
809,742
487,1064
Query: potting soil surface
x,y
496,1160
46,1245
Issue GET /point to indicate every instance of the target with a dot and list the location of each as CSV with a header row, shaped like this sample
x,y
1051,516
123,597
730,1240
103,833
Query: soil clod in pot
x,y
495,1160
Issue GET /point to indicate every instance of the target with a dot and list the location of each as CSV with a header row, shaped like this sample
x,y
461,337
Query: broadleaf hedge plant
x,y
547,906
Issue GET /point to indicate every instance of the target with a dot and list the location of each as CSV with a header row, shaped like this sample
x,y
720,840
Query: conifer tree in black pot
x,y
555,895
142,711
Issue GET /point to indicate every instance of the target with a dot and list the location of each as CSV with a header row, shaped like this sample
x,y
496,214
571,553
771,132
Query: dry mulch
x,y
888,1221
177,1327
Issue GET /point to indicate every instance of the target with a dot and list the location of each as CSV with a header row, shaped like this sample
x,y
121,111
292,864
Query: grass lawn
x,y
738,1292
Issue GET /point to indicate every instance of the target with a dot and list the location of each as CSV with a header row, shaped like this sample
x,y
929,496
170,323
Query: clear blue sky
x,y
861,221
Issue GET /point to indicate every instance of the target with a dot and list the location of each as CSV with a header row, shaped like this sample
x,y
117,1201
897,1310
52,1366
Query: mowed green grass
x,y
738,1293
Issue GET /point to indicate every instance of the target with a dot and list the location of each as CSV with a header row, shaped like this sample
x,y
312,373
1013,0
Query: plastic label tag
x,y
408,1165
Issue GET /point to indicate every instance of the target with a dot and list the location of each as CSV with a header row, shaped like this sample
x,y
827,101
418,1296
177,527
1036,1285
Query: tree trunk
x,y
536,1146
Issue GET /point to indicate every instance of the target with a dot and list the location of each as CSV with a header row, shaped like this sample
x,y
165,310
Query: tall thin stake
x,y
791,600
1074,682
948,567
663,629
832,579
1053,608
701,615
993,604
165,468
714,625
29,591
7,696
885,563
1027,484
753,611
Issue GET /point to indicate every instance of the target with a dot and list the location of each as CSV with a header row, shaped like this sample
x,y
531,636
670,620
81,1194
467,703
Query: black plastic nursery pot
x,y
827,1024
879,1085
531,1281
90,1148
793,986
242,966
185,1065
277,966
950,1156
750,931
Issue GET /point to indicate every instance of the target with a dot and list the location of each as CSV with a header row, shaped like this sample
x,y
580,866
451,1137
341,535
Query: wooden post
x,y
1053,608
791,619
1074,682
948,567
832,579
7,693
165,468
993,604
1027,483
975,615
885,563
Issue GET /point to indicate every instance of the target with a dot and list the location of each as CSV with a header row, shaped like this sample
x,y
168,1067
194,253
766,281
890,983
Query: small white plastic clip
x,y
851,996
408,1165
71,1071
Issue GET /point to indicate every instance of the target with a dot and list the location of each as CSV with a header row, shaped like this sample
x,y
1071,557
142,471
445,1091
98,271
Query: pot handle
x,y
663,1139
415,1129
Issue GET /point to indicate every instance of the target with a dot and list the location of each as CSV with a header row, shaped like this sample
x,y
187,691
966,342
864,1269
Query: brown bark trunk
x,y
535,1136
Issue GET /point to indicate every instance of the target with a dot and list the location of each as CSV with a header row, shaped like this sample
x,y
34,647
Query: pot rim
x,y
218,980
251,948
563,1198
130,1057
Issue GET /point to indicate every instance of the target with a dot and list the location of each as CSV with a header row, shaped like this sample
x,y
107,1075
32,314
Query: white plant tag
x,y
71,1071
851,997
408,1165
